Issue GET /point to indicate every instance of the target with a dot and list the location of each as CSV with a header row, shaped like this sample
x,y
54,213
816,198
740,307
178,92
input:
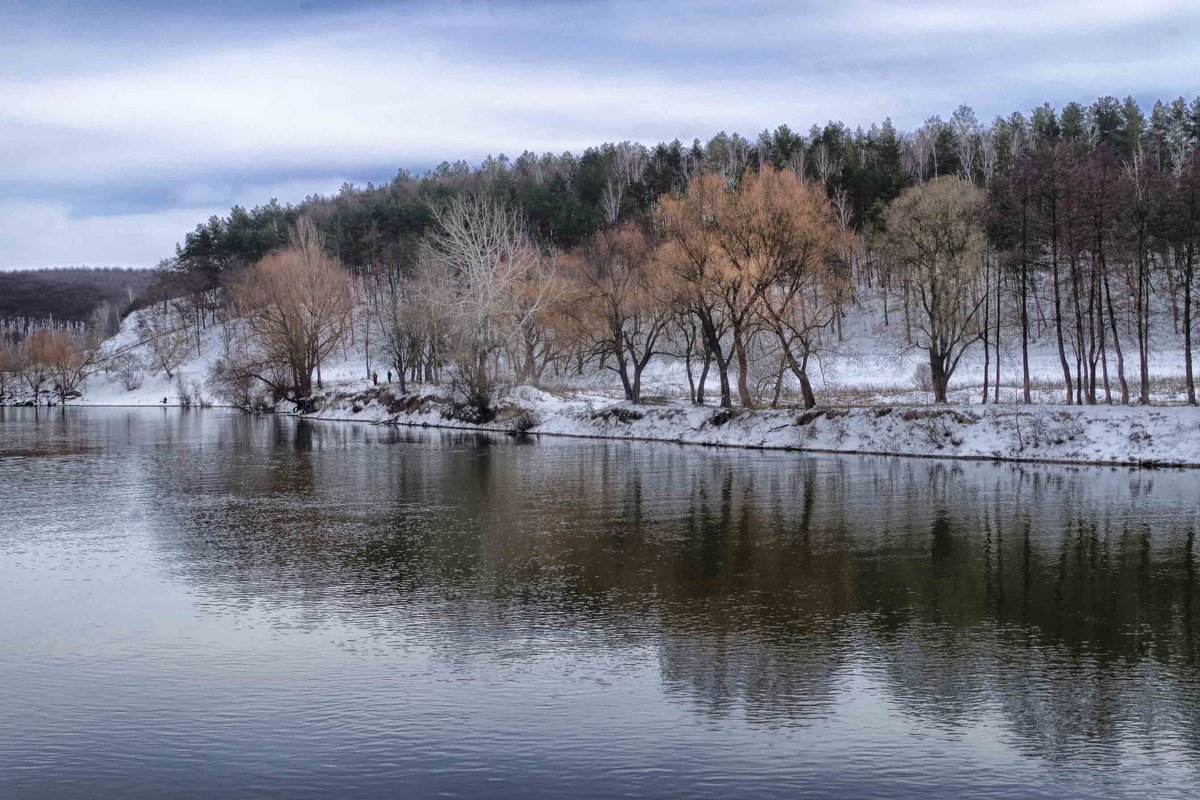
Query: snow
x,y
864,383
103,389
1130,435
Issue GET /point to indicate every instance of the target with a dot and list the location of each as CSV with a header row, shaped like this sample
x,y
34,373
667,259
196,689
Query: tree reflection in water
x,y
1062,599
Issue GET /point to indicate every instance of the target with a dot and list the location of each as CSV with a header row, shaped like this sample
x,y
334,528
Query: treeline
x,y
565,197
70,294
741,257
52,323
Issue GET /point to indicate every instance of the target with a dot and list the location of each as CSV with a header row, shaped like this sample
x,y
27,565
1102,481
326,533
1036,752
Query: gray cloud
x,y
175,115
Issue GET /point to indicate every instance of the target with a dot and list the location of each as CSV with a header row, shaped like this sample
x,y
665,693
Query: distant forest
x,y
68,295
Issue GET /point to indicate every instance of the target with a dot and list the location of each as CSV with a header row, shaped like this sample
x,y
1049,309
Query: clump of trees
x,y
1077,228
622,301
750,259
50,362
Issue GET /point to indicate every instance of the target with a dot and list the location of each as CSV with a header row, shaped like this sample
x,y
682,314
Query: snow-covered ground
x,y
869,403
1096,434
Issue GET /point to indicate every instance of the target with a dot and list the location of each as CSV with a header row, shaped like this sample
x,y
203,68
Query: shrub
x,y
191,393
523,422
922,378
722,416
238,387
472,387
130,372
470,414
183,393
938,431
619,414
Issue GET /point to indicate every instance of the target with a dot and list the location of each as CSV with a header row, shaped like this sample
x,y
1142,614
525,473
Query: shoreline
x,y
1148,464
1165,437
1162,437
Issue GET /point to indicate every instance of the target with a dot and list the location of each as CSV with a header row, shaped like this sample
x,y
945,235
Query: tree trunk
x,y
806,390
743,383
623,371
937,369
639,366
987,306
1058,331
1079,354
1188,276
1025,333
1143,295
779,371
713,342
687,367
726,389
1112,316
996,387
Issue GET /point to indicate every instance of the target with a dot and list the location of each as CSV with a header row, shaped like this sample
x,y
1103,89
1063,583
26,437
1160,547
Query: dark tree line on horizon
x,y
68,294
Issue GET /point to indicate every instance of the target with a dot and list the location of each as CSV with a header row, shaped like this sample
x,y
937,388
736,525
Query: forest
x,y
738,259
68,295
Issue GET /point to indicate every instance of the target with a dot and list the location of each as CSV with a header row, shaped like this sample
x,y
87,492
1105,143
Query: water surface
x,y
208,604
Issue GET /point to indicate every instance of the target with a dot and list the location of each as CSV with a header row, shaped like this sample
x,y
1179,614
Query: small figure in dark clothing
x,y
375,378
389,380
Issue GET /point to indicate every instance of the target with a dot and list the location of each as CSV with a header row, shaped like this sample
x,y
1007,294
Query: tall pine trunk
x,y
1189,269
1058,331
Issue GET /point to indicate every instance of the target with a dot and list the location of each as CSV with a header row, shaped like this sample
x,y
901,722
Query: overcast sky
x,y
123,124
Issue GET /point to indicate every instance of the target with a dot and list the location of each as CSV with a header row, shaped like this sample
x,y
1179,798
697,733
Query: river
x,y
210,604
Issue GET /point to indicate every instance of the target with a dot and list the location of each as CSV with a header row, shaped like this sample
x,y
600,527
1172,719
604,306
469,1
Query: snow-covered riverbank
x,y
1094,435
873,408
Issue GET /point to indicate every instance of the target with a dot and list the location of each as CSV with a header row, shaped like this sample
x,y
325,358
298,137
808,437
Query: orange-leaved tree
x,y
297,303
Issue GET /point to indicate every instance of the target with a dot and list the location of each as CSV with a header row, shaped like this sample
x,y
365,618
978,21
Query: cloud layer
x,y
120,131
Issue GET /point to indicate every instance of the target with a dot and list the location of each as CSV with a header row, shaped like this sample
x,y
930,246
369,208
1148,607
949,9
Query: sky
x,y
124,124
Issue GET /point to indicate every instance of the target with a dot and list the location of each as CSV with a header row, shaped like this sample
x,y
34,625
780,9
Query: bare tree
x,y
10,369
31,362
987,154
691,251
621,301
402,325
781,233
934,233
58,358
479,264
826,163
297,303
966,140
166,338
129,371
730,248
